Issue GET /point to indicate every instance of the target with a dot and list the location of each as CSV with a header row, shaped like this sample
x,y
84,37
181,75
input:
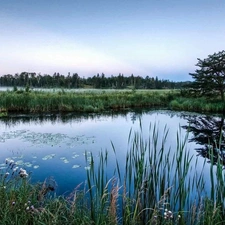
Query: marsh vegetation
x,y
158,181
27,101
155,186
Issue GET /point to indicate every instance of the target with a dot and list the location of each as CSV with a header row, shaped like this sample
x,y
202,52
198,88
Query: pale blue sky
x,y
160,38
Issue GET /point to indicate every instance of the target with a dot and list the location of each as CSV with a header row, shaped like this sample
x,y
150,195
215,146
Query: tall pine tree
x,y
209,78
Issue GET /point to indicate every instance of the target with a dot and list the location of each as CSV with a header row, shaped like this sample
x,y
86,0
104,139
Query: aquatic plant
x,y
155,185
152,180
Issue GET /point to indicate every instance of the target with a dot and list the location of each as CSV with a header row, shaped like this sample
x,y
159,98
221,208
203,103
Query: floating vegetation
x,y
46,138
19,162
36,166
75,156
27,164
75,166
47,157
64,159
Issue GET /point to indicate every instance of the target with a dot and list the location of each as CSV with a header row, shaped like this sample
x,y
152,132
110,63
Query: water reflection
x,y
209,132
56,145
54,118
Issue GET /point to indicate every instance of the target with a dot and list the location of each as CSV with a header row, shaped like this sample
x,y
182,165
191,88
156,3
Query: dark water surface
x,y
56,145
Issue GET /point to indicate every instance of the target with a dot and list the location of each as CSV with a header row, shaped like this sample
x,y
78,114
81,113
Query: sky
x,y
160,38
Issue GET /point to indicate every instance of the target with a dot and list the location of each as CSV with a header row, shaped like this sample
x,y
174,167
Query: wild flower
x,y
23,173
168,214
6,174
15,169
11,162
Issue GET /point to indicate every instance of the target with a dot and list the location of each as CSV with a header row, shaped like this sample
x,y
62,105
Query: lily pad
x,y
75,156
47,157
19,162
27,164
66,161
75,166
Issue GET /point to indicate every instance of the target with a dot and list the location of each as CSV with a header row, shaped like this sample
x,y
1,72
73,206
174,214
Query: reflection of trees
x,y
16,119
208,131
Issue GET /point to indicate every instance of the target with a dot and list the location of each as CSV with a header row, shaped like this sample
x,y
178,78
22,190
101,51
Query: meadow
x,y
32,101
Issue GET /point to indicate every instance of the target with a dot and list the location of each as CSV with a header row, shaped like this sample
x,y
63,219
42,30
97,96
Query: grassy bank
x,y
93,101
154,186
102,100
200,104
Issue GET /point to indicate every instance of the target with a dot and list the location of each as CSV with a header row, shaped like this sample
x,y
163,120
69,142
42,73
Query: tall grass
x,y
154,185
200,104
62,101
98,101
157,185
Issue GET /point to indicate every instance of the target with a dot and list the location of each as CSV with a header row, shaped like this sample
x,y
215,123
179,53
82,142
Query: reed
x,y
95,101
197,104
154,185
157,185
98,101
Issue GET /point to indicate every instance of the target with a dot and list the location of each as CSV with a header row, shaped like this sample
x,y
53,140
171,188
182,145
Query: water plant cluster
x,y
155,185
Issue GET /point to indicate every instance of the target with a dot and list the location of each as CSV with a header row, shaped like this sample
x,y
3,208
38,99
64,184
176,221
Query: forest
x,y
57,80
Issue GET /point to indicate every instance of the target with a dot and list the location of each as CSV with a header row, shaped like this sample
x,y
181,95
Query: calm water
x,y
56,145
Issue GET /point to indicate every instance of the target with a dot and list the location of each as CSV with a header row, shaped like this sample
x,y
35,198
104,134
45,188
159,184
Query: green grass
x,y
91,101
155,185
102,100
200,104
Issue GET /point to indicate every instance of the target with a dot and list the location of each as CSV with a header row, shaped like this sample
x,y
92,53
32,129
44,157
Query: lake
x,y
56,145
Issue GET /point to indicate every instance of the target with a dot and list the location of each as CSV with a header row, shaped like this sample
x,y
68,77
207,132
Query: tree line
x,y
58,80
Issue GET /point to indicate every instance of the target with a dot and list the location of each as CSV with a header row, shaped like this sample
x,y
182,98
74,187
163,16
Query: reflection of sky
x,y
75,137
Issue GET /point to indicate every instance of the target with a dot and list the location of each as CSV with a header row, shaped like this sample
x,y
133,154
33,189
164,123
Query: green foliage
x,y
15,89
75,81
209,79
200,104
94,101
153,186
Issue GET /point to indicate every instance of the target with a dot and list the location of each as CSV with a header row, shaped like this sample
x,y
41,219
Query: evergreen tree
x,y
209,78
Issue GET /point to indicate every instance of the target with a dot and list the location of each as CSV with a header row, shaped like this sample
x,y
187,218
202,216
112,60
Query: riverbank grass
x,y
28,101
93,101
